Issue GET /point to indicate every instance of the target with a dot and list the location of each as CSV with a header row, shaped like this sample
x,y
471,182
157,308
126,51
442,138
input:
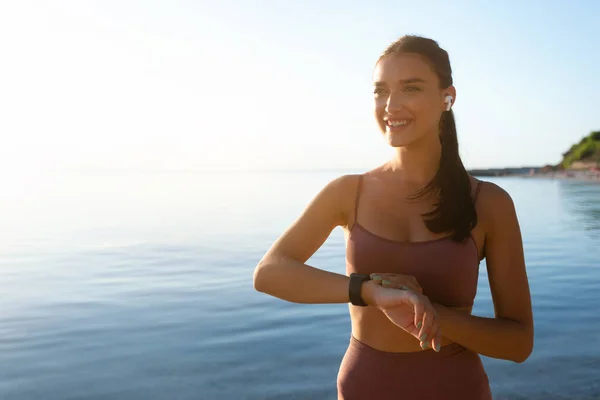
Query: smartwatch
x,y
356,281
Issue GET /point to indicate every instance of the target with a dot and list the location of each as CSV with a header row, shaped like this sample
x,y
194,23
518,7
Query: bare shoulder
x,y
493,195
340,194
493,203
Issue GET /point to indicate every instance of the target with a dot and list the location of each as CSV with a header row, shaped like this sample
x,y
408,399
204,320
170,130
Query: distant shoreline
x,y
570,175
582,176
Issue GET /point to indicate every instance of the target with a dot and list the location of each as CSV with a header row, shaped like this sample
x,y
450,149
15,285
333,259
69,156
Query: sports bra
x,y
446,270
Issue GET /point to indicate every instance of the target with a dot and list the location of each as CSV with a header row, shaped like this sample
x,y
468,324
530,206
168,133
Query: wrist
x,y
367,292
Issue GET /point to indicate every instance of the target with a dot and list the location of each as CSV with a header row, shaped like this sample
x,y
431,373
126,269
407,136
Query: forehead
x,y
397,67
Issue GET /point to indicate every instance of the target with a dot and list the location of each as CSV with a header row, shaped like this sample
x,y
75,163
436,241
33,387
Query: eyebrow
x,y
402,81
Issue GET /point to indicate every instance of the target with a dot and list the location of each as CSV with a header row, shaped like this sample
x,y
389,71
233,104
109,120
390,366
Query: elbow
x,y
522,356
259,278
524,353
525,348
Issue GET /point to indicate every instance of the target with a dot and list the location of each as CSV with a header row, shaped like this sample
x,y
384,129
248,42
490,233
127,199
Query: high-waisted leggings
x,y
453,373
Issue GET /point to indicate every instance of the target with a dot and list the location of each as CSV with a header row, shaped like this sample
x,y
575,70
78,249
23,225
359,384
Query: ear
x,y
449,91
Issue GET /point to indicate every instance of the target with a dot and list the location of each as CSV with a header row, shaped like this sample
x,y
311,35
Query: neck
x,y
418,163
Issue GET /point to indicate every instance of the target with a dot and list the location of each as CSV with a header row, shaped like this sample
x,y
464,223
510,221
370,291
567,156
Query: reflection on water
x,y
583,200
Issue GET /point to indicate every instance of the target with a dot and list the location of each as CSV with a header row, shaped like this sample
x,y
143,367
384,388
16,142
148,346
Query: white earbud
x,y
448,102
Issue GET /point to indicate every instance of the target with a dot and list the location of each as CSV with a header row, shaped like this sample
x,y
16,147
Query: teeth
x,y
397,123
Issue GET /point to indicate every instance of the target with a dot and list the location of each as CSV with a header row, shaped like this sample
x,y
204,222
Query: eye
x,y
379,91
412,89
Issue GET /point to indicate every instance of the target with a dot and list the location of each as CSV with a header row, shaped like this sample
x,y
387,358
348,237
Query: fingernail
x,y
376,277
403,287
386,282
419,324
437,347
425,346
423,338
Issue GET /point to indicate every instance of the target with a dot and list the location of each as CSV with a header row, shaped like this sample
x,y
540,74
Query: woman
x,y
416,229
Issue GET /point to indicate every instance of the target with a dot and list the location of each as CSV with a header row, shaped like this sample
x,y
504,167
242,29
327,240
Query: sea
x,y
138,285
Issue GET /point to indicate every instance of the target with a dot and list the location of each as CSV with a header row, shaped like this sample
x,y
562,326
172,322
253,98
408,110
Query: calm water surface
x,y
139,286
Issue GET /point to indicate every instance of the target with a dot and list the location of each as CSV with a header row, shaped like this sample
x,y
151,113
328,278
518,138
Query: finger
x,y
388,280
398,282
409,281
432,340
389,276
419,310
426,330
379,276
394,284
437,341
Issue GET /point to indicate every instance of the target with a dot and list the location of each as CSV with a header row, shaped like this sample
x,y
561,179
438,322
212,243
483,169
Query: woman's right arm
x,y
282,271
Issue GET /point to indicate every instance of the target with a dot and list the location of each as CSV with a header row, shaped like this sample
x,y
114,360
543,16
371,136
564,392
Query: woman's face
x,y
408,99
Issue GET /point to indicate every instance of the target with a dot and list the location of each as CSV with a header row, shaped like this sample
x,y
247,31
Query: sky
x,y
213,85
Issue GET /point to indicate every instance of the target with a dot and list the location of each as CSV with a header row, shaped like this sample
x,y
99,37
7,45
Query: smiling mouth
x,y
397,124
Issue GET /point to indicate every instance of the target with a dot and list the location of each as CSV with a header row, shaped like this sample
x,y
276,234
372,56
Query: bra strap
x,y
360,178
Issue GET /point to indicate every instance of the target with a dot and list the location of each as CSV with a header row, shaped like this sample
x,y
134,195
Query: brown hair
x,y
455,210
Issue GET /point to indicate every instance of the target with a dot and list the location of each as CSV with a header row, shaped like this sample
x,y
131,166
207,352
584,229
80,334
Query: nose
x,y
394,103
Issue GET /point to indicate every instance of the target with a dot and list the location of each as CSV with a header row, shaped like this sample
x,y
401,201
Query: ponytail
x,y
455,211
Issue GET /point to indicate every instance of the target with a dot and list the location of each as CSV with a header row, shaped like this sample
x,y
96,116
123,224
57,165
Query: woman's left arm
x,y
509,335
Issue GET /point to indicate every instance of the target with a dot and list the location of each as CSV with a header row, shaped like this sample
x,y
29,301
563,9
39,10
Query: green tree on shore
x,y
588,149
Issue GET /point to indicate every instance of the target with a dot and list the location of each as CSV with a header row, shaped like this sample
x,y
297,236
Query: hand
x,y
413,312
397,281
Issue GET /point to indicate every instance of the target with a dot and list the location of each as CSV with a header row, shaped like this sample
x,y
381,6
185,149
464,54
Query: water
x,y
139,286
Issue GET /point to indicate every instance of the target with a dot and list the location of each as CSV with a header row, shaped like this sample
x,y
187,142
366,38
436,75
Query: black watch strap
x,y
356,281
